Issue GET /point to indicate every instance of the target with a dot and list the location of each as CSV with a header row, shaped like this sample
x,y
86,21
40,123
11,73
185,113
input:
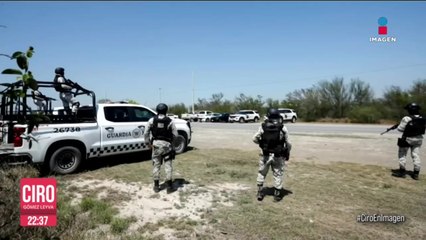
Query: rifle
x,y
389,129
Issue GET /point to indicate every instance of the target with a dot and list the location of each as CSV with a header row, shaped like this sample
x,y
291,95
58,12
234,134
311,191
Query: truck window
x,y
117,114
140,114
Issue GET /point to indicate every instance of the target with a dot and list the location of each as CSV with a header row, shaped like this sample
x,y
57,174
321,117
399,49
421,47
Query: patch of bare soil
x,y
189,202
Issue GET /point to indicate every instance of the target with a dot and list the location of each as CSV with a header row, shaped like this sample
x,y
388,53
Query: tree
x,y
361,92
335,97
131,101
248,102
394,99
418,93
177,109
104,100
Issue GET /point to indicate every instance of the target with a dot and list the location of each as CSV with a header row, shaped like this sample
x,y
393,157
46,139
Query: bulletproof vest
x,y
57,85
415,127
160,129
270,139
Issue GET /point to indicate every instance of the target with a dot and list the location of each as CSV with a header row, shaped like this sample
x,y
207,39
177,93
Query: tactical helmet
x,y
273,114
60,70
162,108
412,108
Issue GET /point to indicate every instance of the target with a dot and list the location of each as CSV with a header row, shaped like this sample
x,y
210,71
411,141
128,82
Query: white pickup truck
x,y
110,129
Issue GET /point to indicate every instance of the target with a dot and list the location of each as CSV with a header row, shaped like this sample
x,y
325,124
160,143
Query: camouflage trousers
x,y
277,165
160,148
415,153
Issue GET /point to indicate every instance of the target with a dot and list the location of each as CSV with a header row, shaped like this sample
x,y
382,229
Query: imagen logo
x,y
383,29
382,32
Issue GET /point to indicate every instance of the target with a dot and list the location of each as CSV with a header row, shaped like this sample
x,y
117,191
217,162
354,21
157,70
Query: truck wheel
x,y
293,120
241,120
65,160
179,144
256,119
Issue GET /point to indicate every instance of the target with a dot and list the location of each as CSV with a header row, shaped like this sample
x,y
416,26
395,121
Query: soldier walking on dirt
x,y
272,138
413,129
163,132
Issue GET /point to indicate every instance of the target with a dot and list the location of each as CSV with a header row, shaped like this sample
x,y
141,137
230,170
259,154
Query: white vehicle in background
x,y
203,115
288,114
172,116
244,116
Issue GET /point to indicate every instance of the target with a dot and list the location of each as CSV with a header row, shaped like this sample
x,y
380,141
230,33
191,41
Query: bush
x,y
364,114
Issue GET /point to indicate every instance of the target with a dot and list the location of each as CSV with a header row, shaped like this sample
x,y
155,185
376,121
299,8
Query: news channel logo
x,y
382,32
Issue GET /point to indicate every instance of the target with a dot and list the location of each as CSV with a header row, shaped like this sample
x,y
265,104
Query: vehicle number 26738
x,y
66,129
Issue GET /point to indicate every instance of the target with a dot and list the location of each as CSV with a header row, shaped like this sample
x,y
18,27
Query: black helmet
x,y
412,108
273,114
162,108
60,70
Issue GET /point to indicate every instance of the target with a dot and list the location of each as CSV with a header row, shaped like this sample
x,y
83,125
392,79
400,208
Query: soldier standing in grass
x,y
413,129
272,138
163,132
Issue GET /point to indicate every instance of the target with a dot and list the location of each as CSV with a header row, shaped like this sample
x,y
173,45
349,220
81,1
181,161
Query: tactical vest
x,y
271,137
161,129
415,127
57,85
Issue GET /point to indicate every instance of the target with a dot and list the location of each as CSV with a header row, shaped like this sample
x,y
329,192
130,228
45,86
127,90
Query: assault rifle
x,y
389,129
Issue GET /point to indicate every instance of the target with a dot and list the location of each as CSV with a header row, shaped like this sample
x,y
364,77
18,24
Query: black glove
x,y
393,127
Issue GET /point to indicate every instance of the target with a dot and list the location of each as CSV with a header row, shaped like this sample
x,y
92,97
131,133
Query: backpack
x,y
271,137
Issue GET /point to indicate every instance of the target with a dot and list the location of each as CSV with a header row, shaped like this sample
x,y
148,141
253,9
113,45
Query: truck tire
x,y
256,119
241,120
293,120
65,160
180,144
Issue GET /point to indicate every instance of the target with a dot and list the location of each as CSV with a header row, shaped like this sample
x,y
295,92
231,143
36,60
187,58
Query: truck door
x,y
122,132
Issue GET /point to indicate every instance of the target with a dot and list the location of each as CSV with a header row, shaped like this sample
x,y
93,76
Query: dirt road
x,y
317,147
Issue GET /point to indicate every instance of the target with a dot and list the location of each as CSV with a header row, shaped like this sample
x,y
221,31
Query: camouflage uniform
x,y
276,162
159,149
64,88
415,144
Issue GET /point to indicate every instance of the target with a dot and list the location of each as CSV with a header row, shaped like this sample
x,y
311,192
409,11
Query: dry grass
x,y
323,201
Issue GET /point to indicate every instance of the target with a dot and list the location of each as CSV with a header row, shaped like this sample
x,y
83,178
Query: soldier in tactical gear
x,y
163,132
64,87
272,138
39,100
413,129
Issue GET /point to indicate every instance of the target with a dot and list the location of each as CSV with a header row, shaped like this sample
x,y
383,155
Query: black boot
x,y
416,174
156,186
277,195
170,188
260,195
401,172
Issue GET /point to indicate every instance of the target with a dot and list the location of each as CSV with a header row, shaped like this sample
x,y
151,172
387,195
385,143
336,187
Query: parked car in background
x,y
202,116
288,114
244,116
172,116
219,117
189,116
